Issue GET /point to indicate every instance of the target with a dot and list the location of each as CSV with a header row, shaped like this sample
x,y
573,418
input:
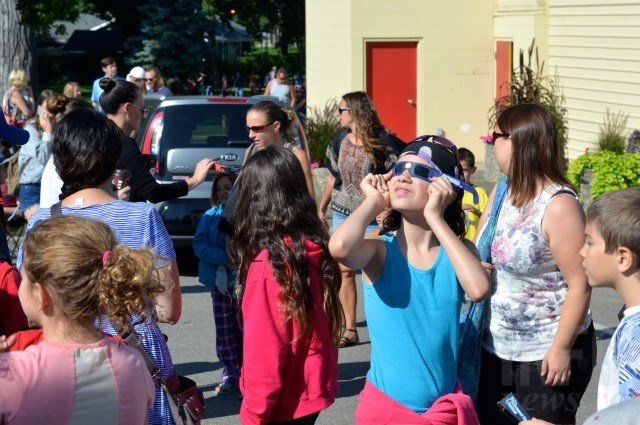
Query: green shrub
x,y
610,171
612,137
531,85
322,125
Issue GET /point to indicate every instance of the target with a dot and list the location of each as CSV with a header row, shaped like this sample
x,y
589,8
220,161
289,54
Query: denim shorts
x,y
29,195
338,218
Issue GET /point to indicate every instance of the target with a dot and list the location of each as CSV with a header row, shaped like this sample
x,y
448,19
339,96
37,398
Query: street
x,y
192,344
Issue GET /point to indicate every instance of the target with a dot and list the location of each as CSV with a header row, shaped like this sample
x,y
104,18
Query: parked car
x,y
178,132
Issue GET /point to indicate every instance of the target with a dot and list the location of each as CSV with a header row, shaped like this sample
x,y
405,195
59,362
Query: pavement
x,y
192,344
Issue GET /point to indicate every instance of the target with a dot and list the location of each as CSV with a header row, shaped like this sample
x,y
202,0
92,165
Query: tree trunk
x,y
15,44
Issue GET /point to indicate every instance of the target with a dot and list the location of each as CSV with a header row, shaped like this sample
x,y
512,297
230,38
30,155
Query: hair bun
x,y
107,84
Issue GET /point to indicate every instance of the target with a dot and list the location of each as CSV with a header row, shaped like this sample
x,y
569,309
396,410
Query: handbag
x,y
472,320
186,400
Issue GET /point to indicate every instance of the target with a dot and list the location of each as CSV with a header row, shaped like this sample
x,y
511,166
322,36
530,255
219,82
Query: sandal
x,y
346,342
224,388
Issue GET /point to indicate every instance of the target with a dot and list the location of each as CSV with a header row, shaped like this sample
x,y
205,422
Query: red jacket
x,y
283,380
12,318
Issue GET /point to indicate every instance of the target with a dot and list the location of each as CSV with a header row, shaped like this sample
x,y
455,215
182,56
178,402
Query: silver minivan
x,y
178,132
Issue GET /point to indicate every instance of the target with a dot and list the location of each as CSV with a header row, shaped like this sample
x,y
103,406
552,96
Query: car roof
x,y
198,100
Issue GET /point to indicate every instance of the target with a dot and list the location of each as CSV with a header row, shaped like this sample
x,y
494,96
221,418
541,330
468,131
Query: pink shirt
x,y
284,377
105,382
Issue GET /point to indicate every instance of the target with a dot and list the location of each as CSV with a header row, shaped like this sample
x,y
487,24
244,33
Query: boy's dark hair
x,y
616,215
466,155
105,62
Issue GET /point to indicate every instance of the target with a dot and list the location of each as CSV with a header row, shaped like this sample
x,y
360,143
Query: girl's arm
x,y
326,196
267,89
463,256
563,226
348,244
169,303
306,168
17,98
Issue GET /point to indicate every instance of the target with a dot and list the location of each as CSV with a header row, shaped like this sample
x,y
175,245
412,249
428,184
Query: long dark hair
x,y
276,212
534,156
368,125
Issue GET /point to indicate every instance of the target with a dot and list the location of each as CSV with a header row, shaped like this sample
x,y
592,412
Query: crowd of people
x,y
97,265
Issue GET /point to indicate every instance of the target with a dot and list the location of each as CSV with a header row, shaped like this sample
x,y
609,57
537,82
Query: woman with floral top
x,y
539,339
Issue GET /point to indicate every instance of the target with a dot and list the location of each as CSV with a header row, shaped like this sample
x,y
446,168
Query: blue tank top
x,y
413,316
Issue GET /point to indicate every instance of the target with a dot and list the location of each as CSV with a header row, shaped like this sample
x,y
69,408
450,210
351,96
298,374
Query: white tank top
x,y
280,90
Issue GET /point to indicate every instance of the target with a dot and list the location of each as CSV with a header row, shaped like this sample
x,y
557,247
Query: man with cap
x,y
136,76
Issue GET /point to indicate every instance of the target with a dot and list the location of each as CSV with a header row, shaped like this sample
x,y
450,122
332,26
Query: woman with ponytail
x,y
74,270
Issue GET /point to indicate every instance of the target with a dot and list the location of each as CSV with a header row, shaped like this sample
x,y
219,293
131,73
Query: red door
x,y
391,83
504,65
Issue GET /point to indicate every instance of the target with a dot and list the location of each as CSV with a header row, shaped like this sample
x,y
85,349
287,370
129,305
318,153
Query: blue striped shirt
x,y
136,225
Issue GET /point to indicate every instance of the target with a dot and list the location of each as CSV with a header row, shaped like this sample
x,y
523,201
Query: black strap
x,y
56,210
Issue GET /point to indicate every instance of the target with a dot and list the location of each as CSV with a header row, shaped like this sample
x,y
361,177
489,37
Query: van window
x,y
205,126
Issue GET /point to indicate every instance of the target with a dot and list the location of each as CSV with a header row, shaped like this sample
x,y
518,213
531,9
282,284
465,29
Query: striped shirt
x,y
620,374
136,225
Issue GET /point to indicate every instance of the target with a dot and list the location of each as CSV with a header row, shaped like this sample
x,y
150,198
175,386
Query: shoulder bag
x,y
472,319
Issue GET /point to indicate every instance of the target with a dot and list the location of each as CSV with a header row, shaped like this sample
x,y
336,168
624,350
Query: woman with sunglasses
x,y
414,277
363,146
123,103
538,338
269,124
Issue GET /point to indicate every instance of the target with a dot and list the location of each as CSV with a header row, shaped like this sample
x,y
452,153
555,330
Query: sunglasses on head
x,y
443,142
258,128
427,173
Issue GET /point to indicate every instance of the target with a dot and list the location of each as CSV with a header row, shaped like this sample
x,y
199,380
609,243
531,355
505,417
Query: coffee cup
x,y
121,178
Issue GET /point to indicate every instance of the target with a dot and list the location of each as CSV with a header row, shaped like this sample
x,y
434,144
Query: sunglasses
x,y
258,128
342,109
495,136
427,173
150,79
143,110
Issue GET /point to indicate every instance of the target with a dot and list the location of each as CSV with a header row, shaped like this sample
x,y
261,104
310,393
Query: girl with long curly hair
x,y
290,308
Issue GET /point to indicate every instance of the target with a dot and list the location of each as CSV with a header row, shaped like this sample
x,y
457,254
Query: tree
x,y
175,35
15,44
285,18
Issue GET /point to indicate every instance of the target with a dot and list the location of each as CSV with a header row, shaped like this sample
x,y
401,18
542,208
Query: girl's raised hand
x,y
441,194
375,186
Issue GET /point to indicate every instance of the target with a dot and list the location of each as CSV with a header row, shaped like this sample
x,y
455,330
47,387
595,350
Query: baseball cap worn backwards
x,y
436,154
12,134
443,155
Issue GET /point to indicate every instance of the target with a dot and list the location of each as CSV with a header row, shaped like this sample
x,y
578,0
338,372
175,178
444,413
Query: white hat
x,y
136,72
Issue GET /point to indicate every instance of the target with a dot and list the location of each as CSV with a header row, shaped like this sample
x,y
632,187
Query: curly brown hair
x,y
65,256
